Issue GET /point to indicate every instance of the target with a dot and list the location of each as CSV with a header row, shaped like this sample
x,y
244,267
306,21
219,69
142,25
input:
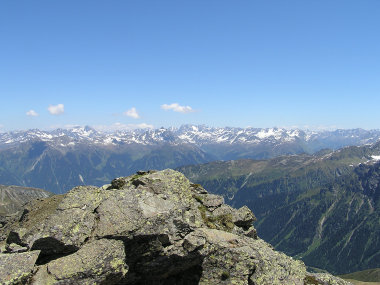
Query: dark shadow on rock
x,y
51,249
13,237
148,263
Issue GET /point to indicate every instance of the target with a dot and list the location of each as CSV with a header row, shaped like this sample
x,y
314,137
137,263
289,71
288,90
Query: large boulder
x,y
152,227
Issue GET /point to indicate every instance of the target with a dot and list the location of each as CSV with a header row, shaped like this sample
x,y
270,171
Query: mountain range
x,y
308,141
60,159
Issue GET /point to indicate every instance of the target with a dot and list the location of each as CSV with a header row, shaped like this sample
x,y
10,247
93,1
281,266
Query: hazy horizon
x,y
117,127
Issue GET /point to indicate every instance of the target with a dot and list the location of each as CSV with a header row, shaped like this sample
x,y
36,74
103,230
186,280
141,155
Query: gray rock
x,y
251,232
243,217
212,201
13,248
17,268
98,262
197,188
152,227
106,186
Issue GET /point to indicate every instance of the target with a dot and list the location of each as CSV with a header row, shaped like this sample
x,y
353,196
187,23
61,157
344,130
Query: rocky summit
x,y
148,228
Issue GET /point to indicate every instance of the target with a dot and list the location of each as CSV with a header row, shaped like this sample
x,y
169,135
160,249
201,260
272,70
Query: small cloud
x,y
320,128
32,113
177,108
143,126
132,113
327,128
56,109
61,126
122,127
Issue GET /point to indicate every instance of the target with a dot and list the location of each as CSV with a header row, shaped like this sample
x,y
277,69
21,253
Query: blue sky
x,y
220,63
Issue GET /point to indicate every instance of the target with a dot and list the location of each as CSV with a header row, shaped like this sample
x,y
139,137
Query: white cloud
x,y
326,128
122,127
56,109
143,126
319,128
32,113
177,108
132,113
60,126
316,128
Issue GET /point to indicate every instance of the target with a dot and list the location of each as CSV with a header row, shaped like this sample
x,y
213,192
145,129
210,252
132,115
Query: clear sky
x,y
128,63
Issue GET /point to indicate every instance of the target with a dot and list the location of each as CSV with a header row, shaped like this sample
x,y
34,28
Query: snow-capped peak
x,y
188,134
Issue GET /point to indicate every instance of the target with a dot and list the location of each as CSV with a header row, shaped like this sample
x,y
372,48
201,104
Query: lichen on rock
x,y
152,227
96,262
17,268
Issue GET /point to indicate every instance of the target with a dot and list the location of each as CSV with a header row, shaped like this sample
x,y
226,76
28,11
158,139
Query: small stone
x,y
193,241
212,201
118,183
106,186
13,248
251,232
243,217
198,189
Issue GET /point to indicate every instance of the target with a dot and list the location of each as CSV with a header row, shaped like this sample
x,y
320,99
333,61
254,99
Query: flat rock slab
x,y
98,262
16,268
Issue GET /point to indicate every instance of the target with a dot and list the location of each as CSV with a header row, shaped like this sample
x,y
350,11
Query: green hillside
x,y
370,275
38,164
12,198
323,209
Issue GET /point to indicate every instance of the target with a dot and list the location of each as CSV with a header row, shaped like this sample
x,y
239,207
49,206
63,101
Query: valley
x,y
323,208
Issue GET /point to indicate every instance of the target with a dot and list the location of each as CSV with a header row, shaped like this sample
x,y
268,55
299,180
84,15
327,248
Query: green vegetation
x,y
12,198
199,198
324,209
370,275
310,280
225,275
37,164
221,222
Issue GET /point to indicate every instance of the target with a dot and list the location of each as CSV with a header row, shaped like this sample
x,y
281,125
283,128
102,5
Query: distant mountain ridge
x,y
60,159
198,135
